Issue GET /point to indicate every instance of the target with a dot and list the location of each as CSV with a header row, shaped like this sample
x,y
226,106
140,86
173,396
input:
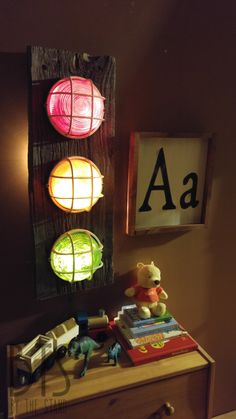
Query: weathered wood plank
x,y
47,147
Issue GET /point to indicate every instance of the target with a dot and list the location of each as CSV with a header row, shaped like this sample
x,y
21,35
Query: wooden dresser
x,y
181,386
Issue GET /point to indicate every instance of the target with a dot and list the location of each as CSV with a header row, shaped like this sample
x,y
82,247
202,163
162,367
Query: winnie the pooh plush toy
x,y
148,292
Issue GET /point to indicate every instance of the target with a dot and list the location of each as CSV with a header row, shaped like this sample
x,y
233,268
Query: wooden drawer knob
x,y
165,410
169,410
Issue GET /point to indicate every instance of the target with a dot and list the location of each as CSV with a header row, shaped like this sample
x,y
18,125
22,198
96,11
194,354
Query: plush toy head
x,y
149,276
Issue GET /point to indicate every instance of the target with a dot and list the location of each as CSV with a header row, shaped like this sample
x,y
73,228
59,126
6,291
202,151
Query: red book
x,y
158,350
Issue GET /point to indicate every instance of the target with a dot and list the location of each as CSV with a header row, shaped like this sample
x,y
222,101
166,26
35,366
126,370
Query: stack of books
x,y
146,340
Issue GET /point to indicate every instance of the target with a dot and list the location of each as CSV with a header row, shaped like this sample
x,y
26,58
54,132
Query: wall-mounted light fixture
x,y
75,184
76,255
75,107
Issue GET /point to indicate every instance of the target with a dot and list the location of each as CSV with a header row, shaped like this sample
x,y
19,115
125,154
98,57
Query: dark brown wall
x,y
176,68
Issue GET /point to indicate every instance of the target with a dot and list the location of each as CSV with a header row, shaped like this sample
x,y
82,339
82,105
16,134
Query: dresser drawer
x,y
186,393
185,381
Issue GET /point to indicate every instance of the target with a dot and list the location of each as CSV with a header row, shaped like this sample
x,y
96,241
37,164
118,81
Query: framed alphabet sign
x,y
168,182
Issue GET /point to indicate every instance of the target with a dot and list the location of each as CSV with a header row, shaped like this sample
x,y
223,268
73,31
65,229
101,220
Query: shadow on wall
x,y
221,339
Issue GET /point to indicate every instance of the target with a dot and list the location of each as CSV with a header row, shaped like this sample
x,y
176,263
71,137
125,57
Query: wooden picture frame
x,y
168,182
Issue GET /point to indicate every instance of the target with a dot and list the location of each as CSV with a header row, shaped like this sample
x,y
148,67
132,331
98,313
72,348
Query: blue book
x,y
132,318
149,329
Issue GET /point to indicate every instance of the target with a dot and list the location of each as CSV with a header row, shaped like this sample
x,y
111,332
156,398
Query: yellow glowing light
x,y
75,184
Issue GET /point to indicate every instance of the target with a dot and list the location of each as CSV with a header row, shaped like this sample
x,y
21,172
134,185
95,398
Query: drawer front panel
x,y
186,393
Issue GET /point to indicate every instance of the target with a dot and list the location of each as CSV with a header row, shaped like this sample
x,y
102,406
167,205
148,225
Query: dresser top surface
x,y
61,382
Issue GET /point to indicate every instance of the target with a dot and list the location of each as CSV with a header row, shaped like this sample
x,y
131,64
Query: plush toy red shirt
x,y
147,294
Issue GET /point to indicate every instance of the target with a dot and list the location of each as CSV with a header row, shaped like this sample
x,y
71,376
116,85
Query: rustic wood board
x,y
47,147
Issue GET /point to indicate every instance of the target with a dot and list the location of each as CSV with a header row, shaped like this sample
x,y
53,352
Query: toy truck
x,y
33,357
41,353
62,335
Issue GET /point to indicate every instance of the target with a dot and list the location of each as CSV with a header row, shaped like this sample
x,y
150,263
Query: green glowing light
x,y
76,255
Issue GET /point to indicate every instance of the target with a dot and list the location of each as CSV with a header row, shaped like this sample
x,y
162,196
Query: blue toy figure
x,y
85,346
114,352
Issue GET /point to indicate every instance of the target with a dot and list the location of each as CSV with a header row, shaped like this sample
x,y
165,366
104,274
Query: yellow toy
x,y
148,292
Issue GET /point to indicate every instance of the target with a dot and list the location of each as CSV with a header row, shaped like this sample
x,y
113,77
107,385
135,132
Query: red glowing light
x,y
75,107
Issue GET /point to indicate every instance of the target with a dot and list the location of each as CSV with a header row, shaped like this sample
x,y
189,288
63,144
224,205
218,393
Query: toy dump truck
x,y
62,335
41,353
